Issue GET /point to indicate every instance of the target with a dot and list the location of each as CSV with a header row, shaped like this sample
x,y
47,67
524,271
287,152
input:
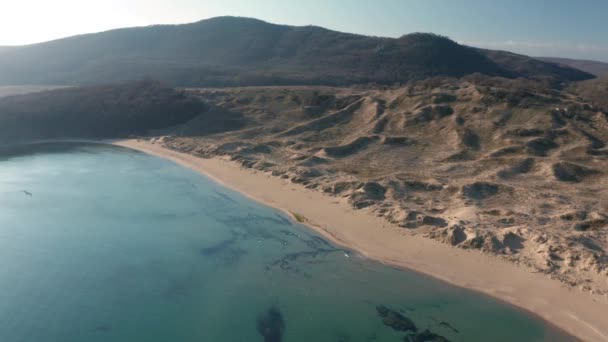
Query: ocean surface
x,y
99,243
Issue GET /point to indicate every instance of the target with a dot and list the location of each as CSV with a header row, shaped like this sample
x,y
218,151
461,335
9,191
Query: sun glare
x,y
30,21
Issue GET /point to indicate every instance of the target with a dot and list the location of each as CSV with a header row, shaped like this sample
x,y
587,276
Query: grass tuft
x,y
300,218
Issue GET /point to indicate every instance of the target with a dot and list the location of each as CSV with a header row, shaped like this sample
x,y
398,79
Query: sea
x,y
102,243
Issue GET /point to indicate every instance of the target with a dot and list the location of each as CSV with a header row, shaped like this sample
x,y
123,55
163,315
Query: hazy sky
x,y
568,28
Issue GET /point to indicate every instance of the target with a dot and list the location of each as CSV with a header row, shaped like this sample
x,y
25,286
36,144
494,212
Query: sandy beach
x,y
579,313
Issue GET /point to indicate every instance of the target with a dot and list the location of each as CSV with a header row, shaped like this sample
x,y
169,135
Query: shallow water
x,y
116,245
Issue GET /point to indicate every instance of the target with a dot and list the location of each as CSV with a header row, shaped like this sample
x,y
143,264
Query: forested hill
x,y
229,51
109,111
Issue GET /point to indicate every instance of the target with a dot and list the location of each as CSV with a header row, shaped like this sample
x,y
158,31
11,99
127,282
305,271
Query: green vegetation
x,y
228,51
109,111
300,218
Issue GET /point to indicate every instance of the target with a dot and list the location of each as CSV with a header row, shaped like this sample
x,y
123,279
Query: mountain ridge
x,y
597,68
233,51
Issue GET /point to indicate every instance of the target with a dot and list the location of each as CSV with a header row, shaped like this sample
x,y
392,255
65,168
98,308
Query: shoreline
x,y
581,315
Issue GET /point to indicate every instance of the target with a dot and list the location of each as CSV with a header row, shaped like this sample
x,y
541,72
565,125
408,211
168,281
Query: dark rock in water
x,y
225,251
271,325
288,262
224,196
425,336
449,326
395,320
219,247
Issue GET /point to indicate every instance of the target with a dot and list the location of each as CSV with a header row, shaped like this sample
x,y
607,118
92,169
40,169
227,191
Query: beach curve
x,y
578,313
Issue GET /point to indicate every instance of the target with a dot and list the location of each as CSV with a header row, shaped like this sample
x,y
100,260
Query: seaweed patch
x,y
219,247
286,263
225,250
425,336
224,196
444,324
271,325
395,320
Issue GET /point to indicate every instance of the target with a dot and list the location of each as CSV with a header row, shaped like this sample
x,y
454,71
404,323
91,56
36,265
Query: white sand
x,y
583,315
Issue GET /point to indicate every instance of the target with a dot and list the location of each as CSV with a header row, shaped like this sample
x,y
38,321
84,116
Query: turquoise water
x,y
116,245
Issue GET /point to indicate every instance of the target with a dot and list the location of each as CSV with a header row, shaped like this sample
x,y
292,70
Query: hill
x,y
595,90
95,112
227,51
19,90
599,69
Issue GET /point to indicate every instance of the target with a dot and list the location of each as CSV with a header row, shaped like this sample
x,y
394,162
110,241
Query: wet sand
x,y
581,314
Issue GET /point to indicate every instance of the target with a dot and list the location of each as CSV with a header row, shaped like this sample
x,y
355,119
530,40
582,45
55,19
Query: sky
x,y
562,28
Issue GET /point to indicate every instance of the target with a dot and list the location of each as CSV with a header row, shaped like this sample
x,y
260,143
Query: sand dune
x,y
492,160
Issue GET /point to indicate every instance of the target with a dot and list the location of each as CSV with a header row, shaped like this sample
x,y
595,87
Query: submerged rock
x,y
218,247
448,326
395,320
425,336
271,325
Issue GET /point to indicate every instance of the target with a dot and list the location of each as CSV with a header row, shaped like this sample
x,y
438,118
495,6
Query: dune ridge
x,y
508,168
